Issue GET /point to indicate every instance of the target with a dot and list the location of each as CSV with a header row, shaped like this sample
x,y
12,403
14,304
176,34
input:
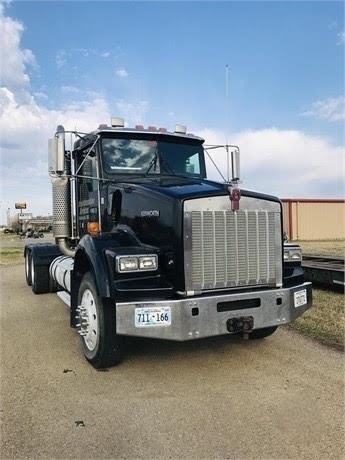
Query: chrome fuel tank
x,y
60,270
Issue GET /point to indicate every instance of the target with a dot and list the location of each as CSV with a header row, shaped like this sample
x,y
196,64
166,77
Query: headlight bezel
x,y
136,263
292,254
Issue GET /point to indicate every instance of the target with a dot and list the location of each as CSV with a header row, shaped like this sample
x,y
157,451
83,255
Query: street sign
x,y
24,216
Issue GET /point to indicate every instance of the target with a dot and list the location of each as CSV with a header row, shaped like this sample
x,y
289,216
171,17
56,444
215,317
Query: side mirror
x,y
235,165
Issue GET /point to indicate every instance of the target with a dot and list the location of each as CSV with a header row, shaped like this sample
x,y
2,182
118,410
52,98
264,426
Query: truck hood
x,y
180,188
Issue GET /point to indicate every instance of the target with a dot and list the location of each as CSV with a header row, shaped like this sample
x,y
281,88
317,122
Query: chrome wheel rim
x,y
32,271
27,265
88,320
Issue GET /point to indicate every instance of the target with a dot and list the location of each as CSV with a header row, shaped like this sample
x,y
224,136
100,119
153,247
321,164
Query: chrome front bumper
x,y
207,316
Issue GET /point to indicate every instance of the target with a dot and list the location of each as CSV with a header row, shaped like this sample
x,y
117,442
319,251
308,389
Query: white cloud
x,y
70,89
286,163
40,95
122,73
84,51
13,75
332,109
61,59
74,56
341,38
84,116
132,112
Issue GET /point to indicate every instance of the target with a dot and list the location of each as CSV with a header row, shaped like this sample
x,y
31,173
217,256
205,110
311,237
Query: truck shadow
x,y
138,348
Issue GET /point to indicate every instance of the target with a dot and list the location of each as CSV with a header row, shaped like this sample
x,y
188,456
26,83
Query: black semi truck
x,y
146,245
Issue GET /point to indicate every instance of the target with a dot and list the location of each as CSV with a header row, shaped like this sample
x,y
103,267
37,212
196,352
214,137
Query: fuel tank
x,y
60,270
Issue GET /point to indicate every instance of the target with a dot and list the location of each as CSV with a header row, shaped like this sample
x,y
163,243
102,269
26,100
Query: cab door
x,y
87,191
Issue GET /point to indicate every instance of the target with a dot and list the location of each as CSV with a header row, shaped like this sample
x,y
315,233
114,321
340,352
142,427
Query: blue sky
x,y
162,63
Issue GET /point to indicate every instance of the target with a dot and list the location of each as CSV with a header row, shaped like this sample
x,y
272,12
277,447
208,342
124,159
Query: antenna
x,y
227,119
227,100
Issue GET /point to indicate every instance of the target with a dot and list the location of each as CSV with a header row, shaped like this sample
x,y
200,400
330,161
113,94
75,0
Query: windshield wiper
x,y
153,162
164,166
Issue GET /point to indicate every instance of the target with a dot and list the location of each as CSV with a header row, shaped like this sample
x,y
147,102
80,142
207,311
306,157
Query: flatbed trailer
x,y
325,270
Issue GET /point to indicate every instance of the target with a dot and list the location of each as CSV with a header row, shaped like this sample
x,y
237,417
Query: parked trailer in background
x,y
147,246
327,271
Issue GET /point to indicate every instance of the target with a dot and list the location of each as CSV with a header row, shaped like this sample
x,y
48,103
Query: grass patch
x,y
11,256
325,320
8,251
323,247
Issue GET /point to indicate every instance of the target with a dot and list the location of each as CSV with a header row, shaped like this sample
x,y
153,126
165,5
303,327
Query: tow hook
x,y
242,324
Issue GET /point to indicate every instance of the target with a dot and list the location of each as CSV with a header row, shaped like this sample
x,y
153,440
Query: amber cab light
x,y
93,227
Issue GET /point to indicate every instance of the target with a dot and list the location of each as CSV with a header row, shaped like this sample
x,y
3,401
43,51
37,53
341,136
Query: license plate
x,y
300,298
152,317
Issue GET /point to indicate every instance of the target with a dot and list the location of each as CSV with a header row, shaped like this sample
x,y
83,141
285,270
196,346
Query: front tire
x,y
96,326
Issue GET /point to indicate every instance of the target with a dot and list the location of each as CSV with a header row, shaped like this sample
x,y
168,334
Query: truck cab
x,y
148,246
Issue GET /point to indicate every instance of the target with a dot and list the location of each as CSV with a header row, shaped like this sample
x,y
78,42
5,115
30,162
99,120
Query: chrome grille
x,y
225,249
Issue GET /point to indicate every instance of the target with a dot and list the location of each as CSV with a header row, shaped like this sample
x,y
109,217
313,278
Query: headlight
x,y
292,254
148,263
136,263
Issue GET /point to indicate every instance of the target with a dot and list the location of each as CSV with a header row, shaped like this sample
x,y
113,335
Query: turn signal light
x,y
93,227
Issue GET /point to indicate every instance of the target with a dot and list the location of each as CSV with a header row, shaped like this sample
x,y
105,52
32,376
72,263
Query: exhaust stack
x,y
59,169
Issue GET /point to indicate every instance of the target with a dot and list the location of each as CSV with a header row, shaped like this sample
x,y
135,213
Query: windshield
x,y
147,156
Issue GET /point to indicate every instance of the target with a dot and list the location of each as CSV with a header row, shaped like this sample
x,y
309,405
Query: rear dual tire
x,y
37,276
28,267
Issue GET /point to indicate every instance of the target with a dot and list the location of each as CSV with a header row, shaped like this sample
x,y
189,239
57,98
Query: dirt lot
x,y
281,397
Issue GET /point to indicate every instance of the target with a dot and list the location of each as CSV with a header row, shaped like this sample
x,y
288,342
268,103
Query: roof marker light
x,y
180,129
117,122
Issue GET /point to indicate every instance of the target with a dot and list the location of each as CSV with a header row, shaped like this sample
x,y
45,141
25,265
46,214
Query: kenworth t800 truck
x,y
147,246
